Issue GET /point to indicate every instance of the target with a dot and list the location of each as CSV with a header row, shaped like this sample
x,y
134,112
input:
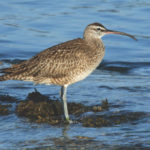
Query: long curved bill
x,y
121,33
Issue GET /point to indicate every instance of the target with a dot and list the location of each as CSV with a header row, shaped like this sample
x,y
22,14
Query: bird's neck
x,y
93,41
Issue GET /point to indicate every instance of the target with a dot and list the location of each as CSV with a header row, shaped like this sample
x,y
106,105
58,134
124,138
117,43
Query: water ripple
x,y
123,67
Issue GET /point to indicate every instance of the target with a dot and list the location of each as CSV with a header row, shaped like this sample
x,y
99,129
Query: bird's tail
x,y
5,77
8,74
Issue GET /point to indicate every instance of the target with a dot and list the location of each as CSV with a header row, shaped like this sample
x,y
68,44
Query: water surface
x,y
28,27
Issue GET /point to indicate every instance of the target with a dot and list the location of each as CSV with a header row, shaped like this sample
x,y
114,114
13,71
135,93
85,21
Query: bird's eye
x,y
98,29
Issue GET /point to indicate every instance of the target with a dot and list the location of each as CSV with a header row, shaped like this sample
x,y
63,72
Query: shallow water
x,y
27,27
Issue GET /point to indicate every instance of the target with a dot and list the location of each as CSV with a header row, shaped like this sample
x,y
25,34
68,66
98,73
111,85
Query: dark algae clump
x,y
41,109
4,109
7,98
111,119
6,104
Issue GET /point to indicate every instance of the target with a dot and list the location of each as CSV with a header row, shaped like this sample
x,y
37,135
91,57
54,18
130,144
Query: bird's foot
x,y
68,121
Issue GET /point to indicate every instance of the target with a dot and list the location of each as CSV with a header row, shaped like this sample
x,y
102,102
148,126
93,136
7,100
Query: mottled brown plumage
x,y
64,64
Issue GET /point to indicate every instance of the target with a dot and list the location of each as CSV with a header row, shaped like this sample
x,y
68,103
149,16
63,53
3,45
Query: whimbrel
x,y
65,63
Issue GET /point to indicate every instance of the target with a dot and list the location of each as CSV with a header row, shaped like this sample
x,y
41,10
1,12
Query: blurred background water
x,y
28,27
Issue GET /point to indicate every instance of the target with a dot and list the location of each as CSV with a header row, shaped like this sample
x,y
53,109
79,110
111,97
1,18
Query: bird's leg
x,y
64,100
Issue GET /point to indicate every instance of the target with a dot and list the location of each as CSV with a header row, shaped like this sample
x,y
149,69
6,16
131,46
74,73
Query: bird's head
x,y
97,30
